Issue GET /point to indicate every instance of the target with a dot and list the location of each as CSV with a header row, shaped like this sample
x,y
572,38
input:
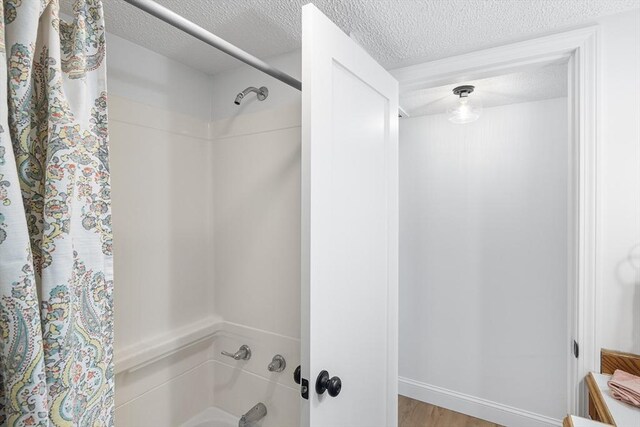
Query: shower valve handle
x,y
277,364
243,353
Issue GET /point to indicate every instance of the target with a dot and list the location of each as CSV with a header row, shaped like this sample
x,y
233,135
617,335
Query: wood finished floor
x,y
413,413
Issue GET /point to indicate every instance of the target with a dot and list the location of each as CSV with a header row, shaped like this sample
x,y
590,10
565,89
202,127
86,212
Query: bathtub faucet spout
x,y
258,412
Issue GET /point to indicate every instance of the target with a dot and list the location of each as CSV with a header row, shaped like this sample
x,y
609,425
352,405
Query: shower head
x,y
261,94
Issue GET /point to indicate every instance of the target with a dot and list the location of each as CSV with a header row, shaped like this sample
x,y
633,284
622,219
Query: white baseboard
x,y
473,406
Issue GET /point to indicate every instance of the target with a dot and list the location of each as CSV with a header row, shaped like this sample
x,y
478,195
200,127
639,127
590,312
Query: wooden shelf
x,y
604,410
574,421
598,409
602,406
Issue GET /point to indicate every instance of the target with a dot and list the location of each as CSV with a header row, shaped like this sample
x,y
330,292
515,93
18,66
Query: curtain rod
x,y
172,18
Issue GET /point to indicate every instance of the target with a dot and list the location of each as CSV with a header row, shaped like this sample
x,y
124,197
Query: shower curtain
x,y
56,280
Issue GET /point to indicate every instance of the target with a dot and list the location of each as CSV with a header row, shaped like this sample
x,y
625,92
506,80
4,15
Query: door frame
x,y
580,48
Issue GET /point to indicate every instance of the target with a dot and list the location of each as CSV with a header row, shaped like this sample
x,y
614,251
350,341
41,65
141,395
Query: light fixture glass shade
x,y
467,108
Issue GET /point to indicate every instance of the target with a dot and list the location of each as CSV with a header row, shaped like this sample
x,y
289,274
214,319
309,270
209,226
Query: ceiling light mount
x,y
463,91
465,108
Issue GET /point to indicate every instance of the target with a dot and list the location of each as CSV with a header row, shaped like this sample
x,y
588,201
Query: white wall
x,y
256,178
144,76
619,182
159,154
483,256
161,219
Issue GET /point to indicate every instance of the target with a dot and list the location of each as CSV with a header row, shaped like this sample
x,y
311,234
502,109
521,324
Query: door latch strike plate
x,y
304,389
576,349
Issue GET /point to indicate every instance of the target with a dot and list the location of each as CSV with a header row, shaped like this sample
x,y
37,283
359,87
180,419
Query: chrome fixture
x,y
172,18
262,94
258,412
243,353
465,109
277,364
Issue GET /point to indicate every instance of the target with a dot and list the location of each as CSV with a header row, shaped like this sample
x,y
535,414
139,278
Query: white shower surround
x,y
197,381
168,362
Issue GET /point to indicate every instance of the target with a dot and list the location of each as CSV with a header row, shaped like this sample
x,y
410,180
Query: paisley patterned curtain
x,y
56,279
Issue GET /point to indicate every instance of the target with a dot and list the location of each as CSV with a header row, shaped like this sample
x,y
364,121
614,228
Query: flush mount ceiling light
x,y
465,109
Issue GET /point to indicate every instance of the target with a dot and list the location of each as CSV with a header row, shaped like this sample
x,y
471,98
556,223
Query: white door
x,y
349,230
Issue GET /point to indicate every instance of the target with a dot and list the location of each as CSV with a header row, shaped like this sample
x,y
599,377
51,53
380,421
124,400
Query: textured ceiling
x,y
395,32
535,84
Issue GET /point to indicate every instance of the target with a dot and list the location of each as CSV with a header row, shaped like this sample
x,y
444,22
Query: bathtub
x,y
212,417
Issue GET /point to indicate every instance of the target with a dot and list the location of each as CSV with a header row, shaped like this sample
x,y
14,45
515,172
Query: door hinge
x,y
576,349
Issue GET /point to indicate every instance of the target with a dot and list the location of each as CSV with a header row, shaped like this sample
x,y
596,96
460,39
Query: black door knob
x,y
296,375
333,385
